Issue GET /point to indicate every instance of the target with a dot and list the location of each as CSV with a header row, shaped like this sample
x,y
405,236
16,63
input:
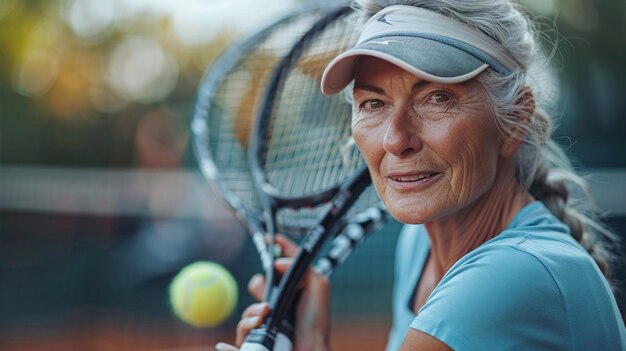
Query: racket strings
x,y
234,103
308,130
308,145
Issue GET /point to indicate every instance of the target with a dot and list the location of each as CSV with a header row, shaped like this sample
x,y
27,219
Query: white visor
x,y
425,43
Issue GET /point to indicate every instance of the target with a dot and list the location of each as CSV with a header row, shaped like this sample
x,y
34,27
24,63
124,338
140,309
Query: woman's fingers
x,y
256,310
287,246
313,325
256,286
225,347
252,317
282,264
245,326
313,280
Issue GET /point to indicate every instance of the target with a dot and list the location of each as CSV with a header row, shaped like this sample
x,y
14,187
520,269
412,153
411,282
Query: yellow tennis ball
x,y
203,294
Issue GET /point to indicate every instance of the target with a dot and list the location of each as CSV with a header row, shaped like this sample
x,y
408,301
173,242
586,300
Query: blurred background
x,y
101,201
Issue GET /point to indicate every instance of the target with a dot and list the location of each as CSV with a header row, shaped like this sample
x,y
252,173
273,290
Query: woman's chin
x,y
410,212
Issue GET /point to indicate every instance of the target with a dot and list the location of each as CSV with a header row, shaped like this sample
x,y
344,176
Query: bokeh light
x,y
140,70
36,74
90,19
6,6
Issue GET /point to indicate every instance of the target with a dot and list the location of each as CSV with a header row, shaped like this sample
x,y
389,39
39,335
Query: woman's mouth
x,y
413,180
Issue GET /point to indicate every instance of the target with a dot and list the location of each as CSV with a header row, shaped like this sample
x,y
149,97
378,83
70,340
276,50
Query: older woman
x,y
449,113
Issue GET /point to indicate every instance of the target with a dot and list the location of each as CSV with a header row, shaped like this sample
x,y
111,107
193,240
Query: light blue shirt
x,y
532,287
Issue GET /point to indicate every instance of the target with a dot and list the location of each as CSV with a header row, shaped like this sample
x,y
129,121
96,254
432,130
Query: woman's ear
x,y
527,102
517,129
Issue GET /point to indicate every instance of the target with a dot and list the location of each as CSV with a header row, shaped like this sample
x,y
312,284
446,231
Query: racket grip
x,y
355,232
262,340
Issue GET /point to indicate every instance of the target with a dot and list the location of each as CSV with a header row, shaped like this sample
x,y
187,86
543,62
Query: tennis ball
x,y
203,294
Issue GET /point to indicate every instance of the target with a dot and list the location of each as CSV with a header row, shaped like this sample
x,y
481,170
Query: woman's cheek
x,y
368,139
370,145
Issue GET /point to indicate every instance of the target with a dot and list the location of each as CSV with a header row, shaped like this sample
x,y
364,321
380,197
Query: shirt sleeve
x,y
496,299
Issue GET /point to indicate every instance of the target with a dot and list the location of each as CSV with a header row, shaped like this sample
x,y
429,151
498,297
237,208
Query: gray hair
x,y
543,168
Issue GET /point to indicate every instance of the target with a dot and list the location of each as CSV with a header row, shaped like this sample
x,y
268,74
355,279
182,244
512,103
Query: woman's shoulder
x,y
536,238
539,256
511,260
490,296
518,286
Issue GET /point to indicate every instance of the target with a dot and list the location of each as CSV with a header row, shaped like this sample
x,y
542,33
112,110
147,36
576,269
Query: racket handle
x,y
262,340
355,232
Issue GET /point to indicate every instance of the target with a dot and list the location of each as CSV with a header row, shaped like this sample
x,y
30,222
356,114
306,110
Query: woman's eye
x,y
373,104
439,97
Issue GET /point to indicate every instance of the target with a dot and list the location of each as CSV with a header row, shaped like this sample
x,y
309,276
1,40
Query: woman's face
x,y
432,148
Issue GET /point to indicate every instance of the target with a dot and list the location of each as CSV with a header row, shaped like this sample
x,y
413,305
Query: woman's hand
x,y
312,312
252,317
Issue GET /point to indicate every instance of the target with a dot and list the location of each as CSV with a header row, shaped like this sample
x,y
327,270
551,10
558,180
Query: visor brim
x,y
429,59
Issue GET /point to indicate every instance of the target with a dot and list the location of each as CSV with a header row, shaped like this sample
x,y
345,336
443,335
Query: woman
x,y
449,112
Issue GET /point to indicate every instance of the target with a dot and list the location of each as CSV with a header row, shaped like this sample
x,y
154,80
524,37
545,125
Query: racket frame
x,y
341,197
209,86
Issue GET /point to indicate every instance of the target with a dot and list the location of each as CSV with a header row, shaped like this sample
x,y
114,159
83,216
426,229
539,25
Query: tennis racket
x,y
227,101
305,172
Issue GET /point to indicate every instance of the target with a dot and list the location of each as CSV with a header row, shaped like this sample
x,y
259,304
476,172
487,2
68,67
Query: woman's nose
x,y
402,136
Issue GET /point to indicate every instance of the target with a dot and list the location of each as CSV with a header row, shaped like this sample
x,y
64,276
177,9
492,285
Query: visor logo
x,y
384,20
385,42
